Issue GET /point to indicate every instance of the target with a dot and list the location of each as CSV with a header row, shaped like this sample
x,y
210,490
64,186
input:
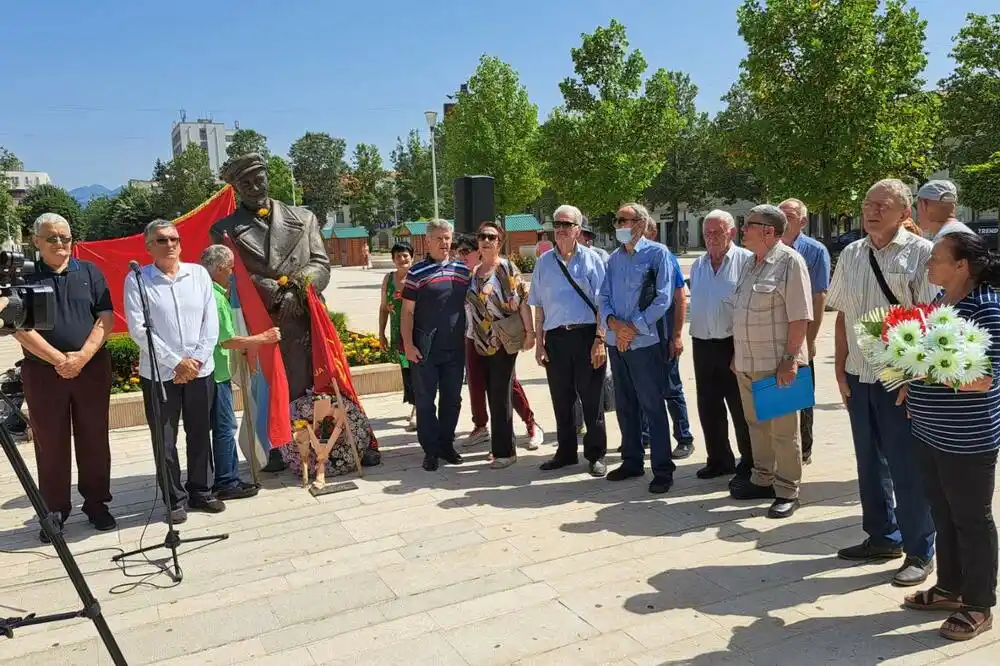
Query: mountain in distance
x,y
87,192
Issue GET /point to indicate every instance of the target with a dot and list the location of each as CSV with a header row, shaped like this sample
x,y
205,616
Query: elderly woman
x,y
959,455
500,323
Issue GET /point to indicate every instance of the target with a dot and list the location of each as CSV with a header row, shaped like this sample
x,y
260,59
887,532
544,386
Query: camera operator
x,y
67,378
186,328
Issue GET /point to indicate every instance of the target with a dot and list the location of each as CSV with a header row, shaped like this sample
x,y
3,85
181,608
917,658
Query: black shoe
x,y
207,504
751,491
103,521
783,508
44,538
274,462
742,475
622,473
714,471
371,458
178,515
558,463
598,468
430,463
683,450
914,571
660,484
867,551
240,491
451,457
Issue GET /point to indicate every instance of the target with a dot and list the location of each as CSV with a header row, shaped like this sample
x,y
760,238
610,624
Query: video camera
x,y
28,306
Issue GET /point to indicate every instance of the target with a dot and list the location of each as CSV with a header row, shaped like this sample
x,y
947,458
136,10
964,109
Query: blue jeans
x,y
224,438
888,457
638,377
442,370
673,393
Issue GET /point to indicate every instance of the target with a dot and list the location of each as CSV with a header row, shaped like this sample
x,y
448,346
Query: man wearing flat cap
x,y
275,240
937,201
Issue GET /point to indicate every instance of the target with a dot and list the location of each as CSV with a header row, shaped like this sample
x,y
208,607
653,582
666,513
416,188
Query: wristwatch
x,y
787,357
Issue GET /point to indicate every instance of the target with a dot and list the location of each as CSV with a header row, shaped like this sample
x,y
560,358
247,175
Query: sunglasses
x,y
626,220
65,240
168,240
562,224
487,237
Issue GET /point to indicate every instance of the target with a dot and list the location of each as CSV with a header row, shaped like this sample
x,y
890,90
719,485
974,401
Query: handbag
x,y
510,330
883,285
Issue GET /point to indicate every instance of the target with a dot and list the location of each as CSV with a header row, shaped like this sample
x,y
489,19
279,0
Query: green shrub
x,y
124,363
524,263
339,320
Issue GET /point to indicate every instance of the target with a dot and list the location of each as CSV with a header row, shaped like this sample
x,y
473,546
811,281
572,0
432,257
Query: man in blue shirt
x,y
635,296
818,262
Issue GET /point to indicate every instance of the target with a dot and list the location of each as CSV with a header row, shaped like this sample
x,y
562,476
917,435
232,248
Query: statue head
x,y
248,176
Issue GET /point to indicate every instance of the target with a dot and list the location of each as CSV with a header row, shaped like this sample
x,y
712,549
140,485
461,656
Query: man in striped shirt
x,y
887,267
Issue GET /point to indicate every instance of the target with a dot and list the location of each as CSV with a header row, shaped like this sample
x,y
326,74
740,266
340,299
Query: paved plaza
x,y
469,565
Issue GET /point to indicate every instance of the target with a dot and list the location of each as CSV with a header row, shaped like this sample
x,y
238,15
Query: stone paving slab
x,y
469,565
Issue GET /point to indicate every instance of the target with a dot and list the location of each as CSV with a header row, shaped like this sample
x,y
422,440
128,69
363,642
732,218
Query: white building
x,y
19,182
212,136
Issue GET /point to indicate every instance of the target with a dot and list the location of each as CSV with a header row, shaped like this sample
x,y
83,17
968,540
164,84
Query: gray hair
x,y
772,215
439,225
722,215
215,257
48,218
799,205
573,211
155,226
899,190
639,210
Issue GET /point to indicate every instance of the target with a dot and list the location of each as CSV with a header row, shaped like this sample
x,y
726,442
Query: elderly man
x,y
636,294
564,292
185,322
218,261
772,308
433,330
937,201
713,280
818,262
887,267
67,378
671,329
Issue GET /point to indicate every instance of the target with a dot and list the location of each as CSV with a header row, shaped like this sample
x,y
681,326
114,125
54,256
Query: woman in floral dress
x,y
391,310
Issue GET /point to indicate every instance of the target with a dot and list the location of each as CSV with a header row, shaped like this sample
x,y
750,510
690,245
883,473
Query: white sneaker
x,y
532,443
502,463
477,436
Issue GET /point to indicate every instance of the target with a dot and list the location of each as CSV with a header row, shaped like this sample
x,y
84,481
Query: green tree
x,y
368,193
829,99
97,218
980,183
50,199
279,178
9,161
318,160
246,141
124,214
186,182
491,131
411,164
610,138
8,216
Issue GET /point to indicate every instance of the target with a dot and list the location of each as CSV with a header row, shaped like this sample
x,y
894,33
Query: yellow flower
x,y
263,212
300,424
133,380
283,280
484,324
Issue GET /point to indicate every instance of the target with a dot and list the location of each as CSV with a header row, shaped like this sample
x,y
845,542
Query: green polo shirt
x,y
226,331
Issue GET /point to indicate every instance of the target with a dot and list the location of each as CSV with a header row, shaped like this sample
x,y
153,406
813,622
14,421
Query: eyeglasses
x,y
168,240
65,240
563,224
627,220
487,237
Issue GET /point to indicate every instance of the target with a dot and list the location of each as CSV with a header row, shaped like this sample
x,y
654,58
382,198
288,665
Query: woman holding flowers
x,y
391,310
960,433
501,325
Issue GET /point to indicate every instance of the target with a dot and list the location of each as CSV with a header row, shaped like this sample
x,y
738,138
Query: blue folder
x,y
770,401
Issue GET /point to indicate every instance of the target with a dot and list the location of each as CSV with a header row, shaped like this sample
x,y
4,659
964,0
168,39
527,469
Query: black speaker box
x,y
474,203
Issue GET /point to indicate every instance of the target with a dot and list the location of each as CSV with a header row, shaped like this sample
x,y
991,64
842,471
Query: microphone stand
x,y
158,398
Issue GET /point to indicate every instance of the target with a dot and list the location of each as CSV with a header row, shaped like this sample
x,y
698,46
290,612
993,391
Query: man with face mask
x,y
635,295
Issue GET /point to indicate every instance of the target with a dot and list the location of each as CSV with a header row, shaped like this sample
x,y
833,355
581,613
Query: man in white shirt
x,y
185,329
937,201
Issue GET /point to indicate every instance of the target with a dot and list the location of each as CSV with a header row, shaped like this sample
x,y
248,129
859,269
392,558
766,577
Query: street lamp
x,y
431,117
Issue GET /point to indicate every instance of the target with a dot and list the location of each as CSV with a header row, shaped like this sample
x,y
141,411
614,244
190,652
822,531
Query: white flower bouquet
x,y
928,342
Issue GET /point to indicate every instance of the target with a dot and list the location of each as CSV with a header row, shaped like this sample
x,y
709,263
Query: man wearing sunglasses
x,y
67,378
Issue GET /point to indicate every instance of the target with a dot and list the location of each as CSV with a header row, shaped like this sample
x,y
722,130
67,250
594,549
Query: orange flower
x,y
263,212
283,280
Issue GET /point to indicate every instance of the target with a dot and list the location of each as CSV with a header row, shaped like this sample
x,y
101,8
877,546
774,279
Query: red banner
x,y
112,256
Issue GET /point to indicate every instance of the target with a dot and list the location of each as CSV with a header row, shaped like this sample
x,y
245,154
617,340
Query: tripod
x,y
91,608
159,397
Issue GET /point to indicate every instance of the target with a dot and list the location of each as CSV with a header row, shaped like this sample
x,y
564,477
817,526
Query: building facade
x,y
19,182
212,136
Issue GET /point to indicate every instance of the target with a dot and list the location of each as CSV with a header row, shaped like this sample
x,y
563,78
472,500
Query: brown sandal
x,y
933,599
967,626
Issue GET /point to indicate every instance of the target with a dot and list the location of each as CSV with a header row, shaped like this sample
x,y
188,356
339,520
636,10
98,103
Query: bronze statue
x,y
277,241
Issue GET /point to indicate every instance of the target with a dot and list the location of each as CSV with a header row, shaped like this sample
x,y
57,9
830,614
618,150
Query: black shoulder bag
x,y
883,285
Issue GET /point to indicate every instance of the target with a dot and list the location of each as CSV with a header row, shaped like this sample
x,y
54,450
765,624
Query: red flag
x,y
272,367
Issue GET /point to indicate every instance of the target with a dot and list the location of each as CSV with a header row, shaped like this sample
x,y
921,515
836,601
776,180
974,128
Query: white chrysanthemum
x,y
976,363
975,336
893,353
947,366
907,332
915,362
942,336
944,315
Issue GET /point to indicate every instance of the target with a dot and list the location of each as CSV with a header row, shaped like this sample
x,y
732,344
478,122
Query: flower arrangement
x,y
927,342
365,349
319,436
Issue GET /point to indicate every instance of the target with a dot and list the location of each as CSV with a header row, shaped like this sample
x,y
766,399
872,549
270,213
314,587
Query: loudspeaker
x,y
474,203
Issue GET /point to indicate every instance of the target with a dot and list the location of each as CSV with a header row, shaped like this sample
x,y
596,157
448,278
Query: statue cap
x,y
238,167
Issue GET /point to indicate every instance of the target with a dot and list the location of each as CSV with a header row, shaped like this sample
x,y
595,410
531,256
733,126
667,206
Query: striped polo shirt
x,y
438,291
963,421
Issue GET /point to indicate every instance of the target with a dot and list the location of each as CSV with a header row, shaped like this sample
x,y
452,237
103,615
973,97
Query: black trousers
x,y
960,488
441,370
571,374
194,401
806,420
717,389
498,371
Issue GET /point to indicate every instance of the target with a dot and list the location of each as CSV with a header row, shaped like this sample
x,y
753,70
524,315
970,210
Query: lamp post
x,y
431,117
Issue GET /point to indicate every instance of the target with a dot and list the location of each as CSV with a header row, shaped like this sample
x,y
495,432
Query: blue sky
x,y
91,88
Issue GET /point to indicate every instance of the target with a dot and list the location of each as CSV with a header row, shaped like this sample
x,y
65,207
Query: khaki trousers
x,y
777,449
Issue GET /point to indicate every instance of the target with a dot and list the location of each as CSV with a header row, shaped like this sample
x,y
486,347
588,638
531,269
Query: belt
x,y
573,327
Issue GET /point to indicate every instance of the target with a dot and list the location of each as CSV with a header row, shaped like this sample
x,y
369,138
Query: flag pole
x,y
248,416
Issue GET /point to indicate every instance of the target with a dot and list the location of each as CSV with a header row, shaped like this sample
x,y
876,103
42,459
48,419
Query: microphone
x,y
133,266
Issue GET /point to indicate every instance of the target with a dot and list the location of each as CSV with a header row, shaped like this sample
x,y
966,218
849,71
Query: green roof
x,y
521,222
345,232
416,228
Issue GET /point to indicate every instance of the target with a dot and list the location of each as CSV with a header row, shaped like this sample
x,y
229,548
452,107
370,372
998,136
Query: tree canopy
x,y
318,161
411,165
246,141
185,182
50,199
369,192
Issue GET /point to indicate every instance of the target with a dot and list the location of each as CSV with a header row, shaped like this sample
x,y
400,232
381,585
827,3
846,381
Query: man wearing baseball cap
x,y
937,201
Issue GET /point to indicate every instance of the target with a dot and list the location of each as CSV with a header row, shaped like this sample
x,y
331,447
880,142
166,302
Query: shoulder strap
x,y
886,291
572,282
